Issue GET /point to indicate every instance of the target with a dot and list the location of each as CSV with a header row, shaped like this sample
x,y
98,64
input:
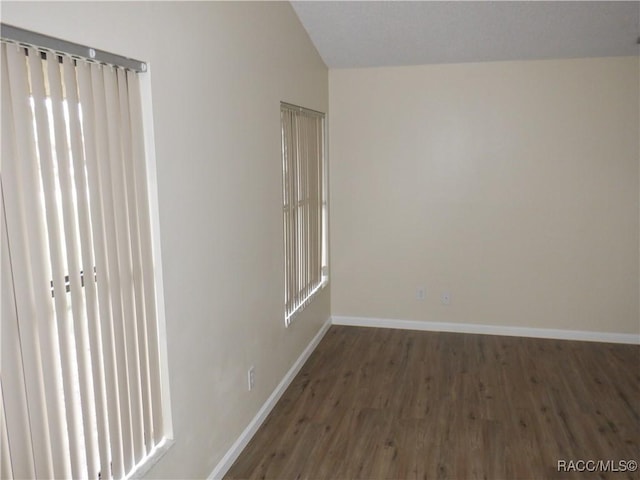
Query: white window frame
x,y
305,229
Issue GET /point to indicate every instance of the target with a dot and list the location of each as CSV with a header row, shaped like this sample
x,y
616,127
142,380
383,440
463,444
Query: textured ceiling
x,y
373,34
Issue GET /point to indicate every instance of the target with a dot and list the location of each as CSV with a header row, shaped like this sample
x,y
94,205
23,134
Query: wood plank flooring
x,y
396,404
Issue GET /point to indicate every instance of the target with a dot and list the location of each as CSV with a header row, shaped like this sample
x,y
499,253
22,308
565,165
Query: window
x,y
305,206
83,389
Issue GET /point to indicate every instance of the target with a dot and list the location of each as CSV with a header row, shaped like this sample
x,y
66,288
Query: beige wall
x,y
512,185
218,73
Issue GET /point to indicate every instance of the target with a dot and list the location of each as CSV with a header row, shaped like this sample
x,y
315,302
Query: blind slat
x,y
6,468
296,215
98,294
313,207
125,207
55,340
293,260
142,416
10,348
134,341
57,189
24,215
308,233
79,252
302,201
14,406
112,336
286,128
117,226
139,170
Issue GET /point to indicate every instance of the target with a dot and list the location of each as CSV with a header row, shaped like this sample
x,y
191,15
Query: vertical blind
x,y
303,179
80,384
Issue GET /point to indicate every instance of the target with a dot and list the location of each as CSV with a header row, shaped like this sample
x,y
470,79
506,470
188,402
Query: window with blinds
x,y
305,206
82,386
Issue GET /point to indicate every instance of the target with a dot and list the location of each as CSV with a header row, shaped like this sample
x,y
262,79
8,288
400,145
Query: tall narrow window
x,y
82,390
305,206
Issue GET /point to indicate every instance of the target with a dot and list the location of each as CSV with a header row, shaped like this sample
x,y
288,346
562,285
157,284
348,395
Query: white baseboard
x,y
608,337
232,454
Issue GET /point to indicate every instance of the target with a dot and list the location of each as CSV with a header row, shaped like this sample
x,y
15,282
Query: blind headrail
x,y
297,108
21,36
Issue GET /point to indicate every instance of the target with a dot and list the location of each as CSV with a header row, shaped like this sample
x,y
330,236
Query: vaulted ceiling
x,y
372,34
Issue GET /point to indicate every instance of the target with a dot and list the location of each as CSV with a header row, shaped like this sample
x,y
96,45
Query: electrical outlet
x,y
445,298
421,293
251,377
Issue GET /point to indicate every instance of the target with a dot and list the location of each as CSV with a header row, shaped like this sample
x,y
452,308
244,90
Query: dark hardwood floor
x,y
382,404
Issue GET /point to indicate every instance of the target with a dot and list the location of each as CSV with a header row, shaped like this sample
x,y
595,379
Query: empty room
x,y
318,239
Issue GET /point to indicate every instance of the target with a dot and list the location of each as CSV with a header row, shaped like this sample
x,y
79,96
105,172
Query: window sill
x,y
157,453
288,320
